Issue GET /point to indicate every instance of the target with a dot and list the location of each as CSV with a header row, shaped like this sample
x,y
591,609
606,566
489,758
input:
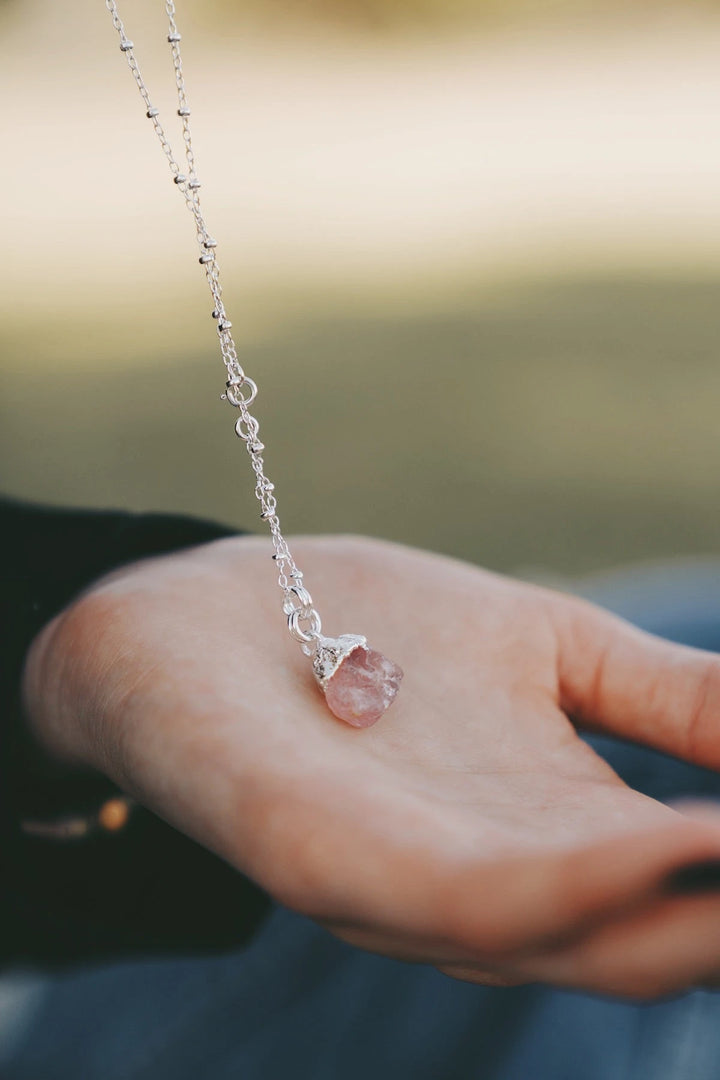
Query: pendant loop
x,y
314,629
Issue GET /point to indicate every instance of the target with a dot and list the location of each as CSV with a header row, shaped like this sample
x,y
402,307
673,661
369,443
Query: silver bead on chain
x,y
303,620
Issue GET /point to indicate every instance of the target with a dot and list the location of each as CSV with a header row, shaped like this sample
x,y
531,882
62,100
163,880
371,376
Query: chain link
x,y
303,620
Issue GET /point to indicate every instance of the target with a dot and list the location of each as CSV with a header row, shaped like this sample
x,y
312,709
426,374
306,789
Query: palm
x,y
471,827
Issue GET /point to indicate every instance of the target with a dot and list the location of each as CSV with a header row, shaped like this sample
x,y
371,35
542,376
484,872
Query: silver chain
x,y
303,620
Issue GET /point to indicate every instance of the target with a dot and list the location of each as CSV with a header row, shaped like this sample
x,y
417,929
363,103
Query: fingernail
x,y
697,877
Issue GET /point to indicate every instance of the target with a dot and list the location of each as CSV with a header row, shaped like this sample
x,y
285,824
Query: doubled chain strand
x,y
303,620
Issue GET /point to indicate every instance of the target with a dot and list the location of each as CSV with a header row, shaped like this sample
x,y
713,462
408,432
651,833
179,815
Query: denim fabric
x,y
299,1005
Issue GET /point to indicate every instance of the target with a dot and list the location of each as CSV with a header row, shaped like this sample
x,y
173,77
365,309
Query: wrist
x,y
49,723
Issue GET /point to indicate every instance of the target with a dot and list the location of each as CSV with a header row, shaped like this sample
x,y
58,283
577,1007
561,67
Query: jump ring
x,y
249,431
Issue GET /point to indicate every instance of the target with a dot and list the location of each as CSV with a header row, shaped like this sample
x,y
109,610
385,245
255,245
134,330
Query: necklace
x,y
358,682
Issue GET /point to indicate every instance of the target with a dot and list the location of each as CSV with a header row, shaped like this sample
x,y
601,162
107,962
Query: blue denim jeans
x,y
299,1005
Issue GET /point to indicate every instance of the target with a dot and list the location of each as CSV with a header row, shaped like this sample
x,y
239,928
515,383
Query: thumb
x,y
620,680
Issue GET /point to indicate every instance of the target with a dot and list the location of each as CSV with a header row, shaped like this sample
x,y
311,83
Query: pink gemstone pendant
x,y
359,683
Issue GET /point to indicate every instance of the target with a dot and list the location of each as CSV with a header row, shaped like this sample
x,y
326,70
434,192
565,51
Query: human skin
x,y
471,827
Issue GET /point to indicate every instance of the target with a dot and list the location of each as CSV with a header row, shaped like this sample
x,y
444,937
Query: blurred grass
x,y
567,424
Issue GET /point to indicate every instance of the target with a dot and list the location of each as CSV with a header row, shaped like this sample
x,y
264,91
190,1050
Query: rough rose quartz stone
x,y
363,687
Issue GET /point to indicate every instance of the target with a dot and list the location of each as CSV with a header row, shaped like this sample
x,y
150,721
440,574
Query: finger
x,y
411,950
547,902
618,679
663,949
667,938
474,908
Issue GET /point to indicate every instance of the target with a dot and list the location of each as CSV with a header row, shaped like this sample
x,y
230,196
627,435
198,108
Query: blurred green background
x,y
472,253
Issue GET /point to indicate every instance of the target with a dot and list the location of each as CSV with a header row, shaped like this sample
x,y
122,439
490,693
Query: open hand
x,y
471,827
